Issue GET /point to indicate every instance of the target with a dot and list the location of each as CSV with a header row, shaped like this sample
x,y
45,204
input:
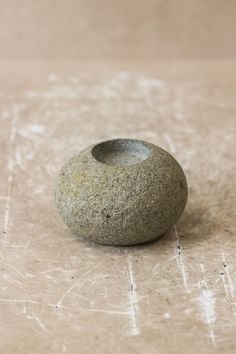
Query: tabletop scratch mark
x,y
10,170
133,299
170,143
77,283
180,259
159,265
225,284
26,245
44,328
52,270
207,301
19,160
41,325
8,198
110,312
20,301
178,250
228,285
178,104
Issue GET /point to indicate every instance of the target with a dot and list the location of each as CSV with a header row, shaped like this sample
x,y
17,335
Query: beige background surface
x,y
76,72
112,29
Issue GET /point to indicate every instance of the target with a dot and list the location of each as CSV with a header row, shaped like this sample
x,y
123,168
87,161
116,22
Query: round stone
x,y
121,192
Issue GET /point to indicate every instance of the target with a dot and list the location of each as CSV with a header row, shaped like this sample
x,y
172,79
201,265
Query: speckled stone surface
x,y
121,192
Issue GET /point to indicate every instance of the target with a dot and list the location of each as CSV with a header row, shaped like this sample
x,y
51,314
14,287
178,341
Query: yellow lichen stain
x,y
78,178
74,194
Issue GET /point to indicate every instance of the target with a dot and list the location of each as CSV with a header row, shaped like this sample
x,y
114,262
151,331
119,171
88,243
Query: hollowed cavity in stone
x,y
121,152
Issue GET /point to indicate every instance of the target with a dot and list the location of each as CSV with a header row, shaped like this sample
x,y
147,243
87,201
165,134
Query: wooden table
x,y
61,294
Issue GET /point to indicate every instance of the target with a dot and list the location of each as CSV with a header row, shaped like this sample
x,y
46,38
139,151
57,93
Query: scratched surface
x,y
60,294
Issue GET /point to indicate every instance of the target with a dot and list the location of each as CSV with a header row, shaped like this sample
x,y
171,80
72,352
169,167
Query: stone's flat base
x,y
121,152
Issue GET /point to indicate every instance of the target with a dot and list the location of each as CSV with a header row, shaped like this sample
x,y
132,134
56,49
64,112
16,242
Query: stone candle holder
x,y
121,192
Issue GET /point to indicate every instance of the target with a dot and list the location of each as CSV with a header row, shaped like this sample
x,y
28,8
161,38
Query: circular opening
x,y
121,152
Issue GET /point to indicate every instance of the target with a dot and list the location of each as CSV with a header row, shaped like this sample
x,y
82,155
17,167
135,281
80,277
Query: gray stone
x,y
121,192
